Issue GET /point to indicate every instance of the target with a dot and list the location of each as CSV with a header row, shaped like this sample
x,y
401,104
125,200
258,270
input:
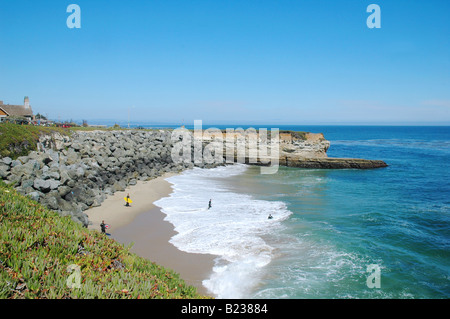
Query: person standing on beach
x,y
209,205
103,227
128,200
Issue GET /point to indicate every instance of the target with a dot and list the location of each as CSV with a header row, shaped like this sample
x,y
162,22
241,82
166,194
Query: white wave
x,y
232,229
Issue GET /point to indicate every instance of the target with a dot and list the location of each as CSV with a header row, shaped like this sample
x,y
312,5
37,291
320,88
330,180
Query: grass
x,y
39,250
18,140
298,135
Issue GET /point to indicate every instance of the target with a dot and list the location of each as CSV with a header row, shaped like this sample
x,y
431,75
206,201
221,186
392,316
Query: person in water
x,y
209,205
270,216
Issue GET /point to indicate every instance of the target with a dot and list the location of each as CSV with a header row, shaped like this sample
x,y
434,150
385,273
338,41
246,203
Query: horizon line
x,y
222,123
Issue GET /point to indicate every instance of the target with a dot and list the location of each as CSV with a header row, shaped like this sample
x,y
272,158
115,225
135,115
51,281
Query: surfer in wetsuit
x,y
270,216
209,205
128,200
103,227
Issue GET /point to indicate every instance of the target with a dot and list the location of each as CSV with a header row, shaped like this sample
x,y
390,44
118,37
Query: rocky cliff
x,y
295,149
309,151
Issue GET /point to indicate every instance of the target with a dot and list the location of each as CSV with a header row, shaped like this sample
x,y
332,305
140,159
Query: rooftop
x,y
16,110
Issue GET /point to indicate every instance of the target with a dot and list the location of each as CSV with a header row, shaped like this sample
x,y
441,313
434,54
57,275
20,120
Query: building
x,y
17,112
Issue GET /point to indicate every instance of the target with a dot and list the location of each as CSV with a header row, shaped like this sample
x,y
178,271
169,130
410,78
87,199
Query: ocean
x,y
330,228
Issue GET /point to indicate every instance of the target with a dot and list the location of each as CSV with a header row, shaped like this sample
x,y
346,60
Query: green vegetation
x,y
297,135
38,247
18,140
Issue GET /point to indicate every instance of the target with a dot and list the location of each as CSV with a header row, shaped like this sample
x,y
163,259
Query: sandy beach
x,y
143,224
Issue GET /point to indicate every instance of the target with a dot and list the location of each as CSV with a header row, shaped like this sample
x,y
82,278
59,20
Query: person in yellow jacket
x,y
128,200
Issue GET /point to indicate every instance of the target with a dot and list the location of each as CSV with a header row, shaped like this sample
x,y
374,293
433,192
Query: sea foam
x,y
232,229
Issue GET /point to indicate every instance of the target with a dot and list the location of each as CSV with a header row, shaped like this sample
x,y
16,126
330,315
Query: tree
x,y
40,117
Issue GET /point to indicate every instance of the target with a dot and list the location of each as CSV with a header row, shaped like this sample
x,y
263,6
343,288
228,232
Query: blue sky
x,y
227,62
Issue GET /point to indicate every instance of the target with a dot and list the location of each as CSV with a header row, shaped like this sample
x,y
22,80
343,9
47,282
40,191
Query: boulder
x,y
76,146
71,183
50,201
98,201
15,163
54,184
92,177
63,190
72,173
26,170
41,185
82,218
27,183
143,177
51,175
118,186
4,170
64,205
23,159
52,155
80,172
59,141
64,176
45,185
34,195
45,158
7,160
72,157
118,153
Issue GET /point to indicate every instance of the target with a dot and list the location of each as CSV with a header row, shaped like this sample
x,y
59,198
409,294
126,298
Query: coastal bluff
x,y
72,173
296,149
309,150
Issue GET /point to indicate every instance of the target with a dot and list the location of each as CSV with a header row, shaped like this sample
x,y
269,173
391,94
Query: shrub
x,y
38,245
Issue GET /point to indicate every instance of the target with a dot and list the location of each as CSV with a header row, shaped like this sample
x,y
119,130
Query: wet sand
x,y
143,224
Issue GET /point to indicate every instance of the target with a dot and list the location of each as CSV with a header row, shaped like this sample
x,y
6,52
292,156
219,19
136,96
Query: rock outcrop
x,y
309,151
295,149
333,163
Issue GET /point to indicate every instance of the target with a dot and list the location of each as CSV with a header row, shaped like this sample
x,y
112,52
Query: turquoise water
x,y
344,220
328,226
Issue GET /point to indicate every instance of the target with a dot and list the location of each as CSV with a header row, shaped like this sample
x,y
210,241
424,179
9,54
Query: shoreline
x,y
143,194
143,224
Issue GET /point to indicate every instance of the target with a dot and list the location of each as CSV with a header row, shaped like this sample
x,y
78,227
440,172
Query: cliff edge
x,y
296,149
309,150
